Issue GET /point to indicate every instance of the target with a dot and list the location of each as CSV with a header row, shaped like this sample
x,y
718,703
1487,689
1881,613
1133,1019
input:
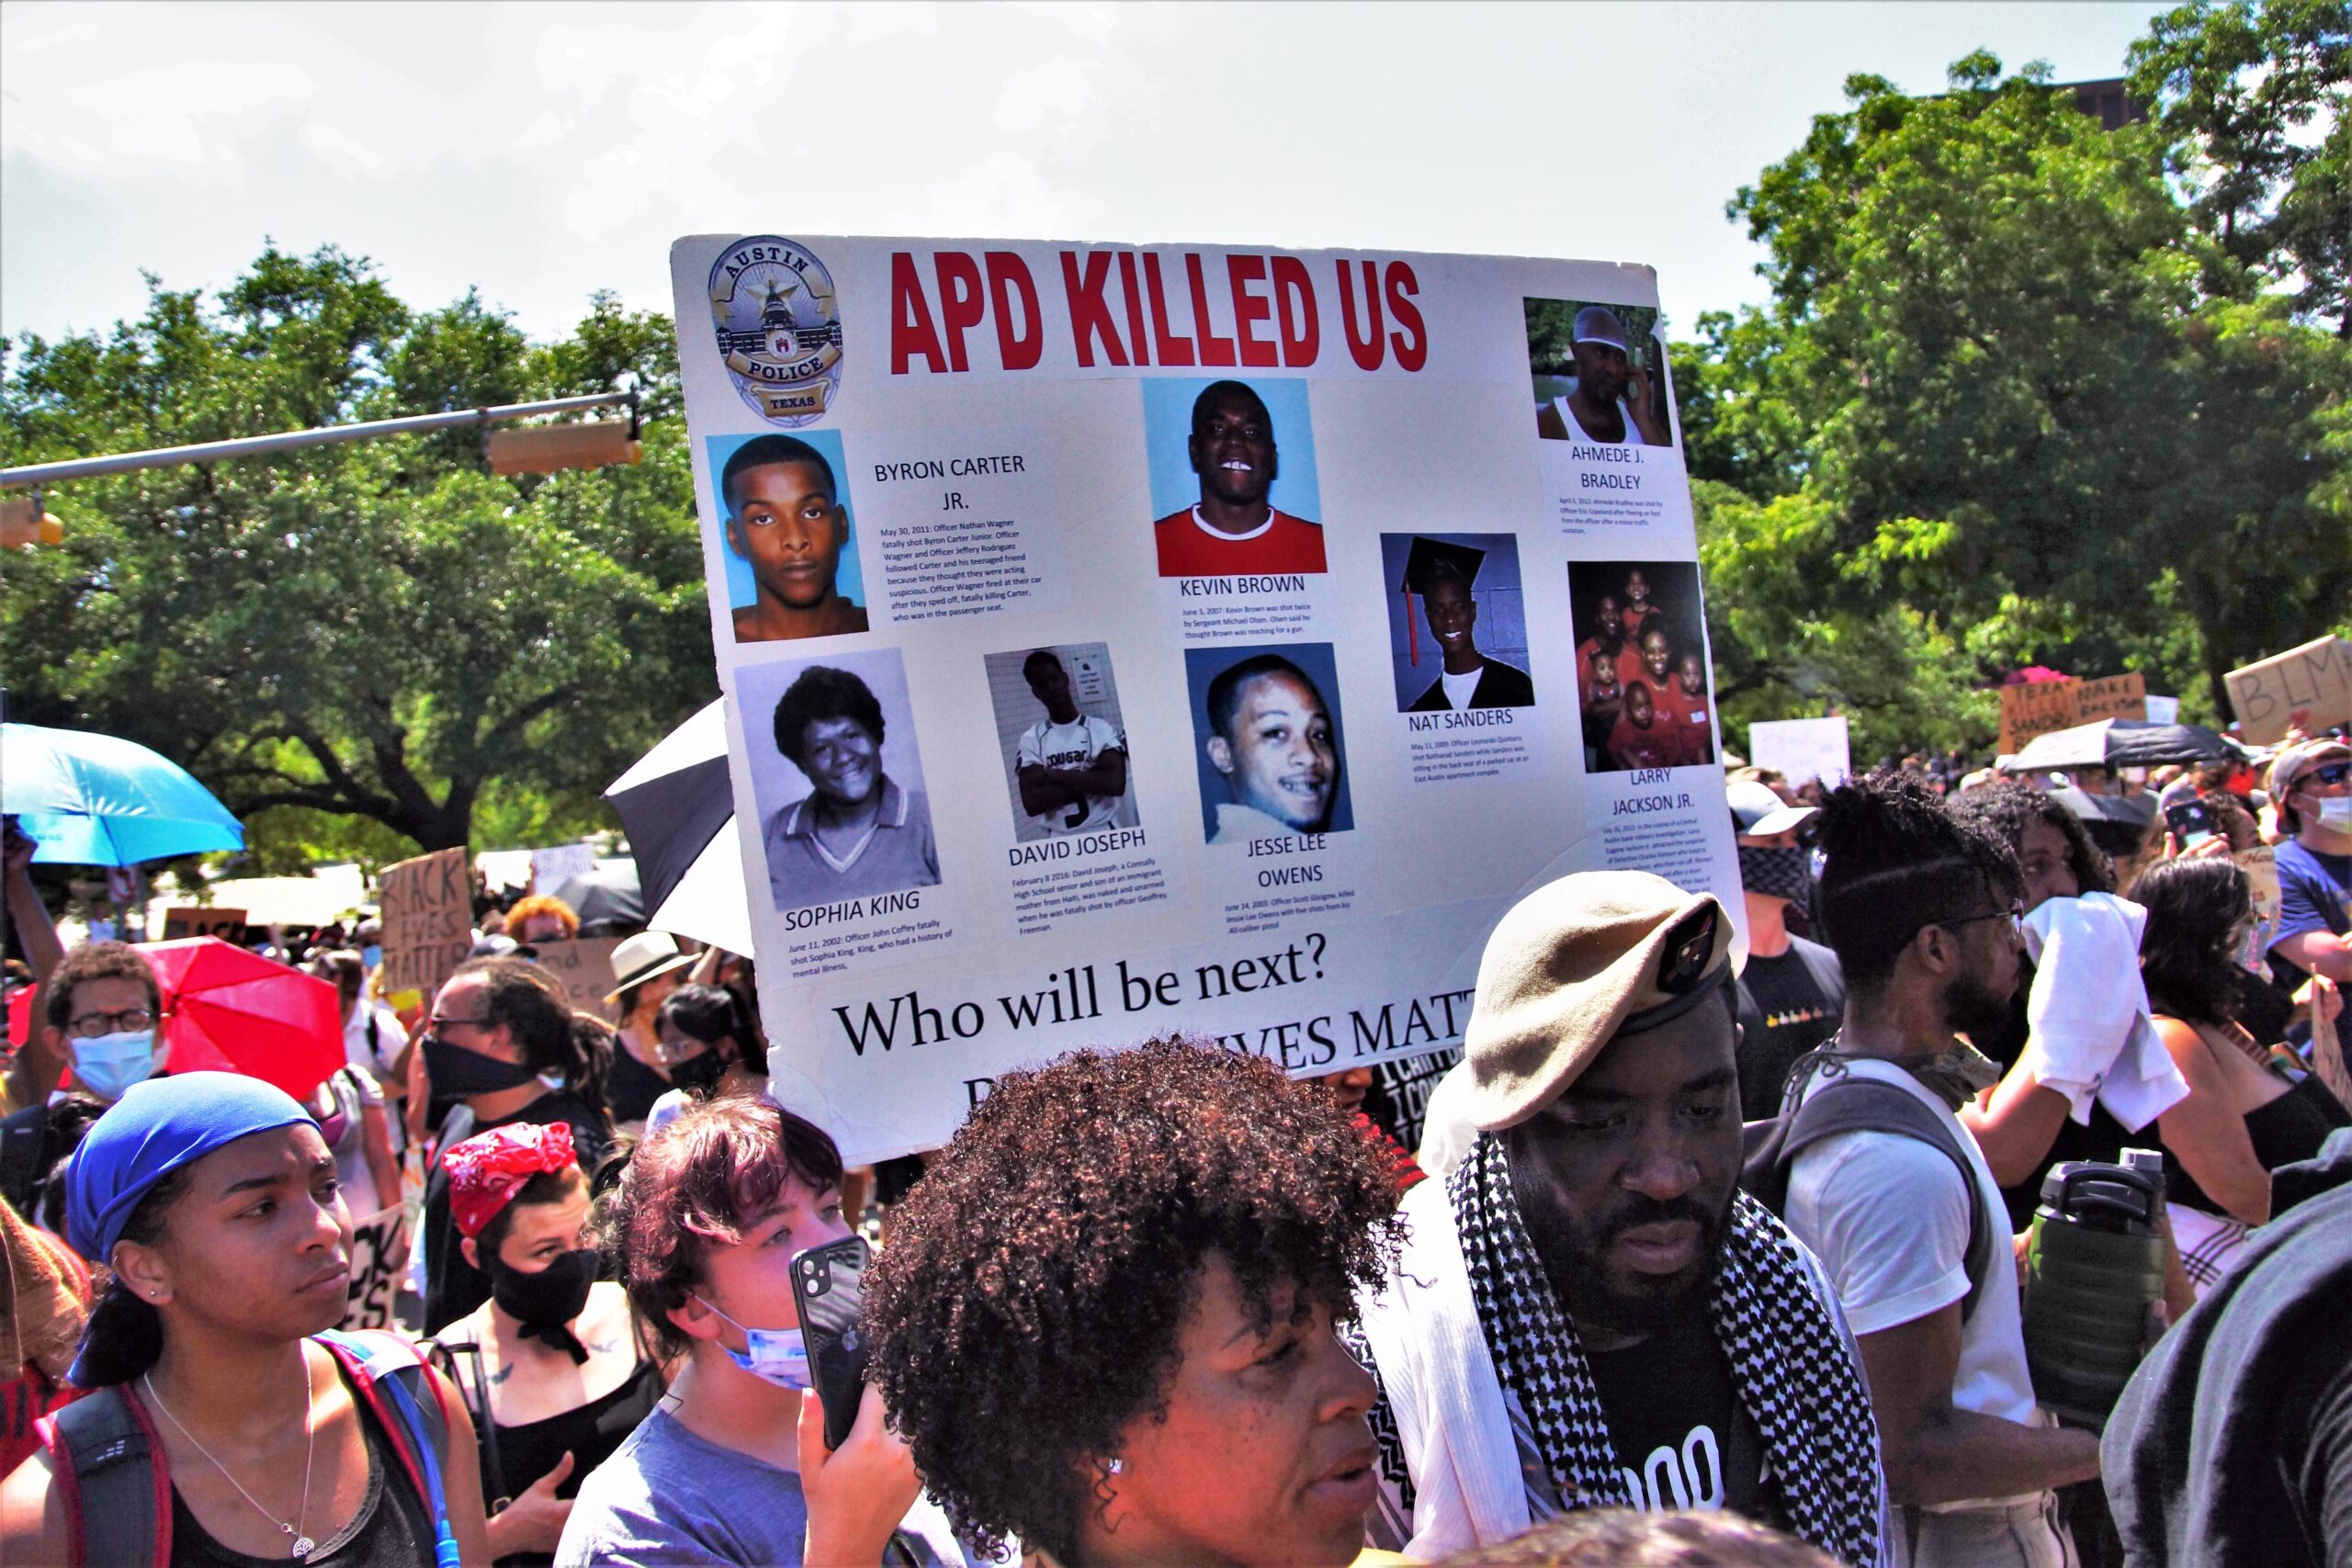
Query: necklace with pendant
x,y
303,1544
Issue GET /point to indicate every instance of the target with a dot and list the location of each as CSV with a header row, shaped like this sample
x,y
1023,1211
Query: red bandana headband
x,y
488,1168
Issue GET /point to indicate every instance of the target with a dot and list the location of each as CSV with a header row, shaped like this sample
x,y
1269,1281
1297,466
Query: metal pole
x,y
293,440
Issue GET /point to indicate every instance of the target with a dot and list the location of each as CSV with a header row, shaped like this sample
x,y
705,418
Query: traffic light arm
x,y
294,440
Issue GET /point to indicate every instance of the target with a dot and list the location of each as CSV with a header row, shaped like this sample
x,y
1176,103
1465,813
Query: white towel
x,y
2092,1037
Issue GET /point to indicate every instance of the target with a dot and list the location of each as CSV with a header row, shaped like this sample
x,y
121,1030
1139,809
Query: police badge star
x,y
778,327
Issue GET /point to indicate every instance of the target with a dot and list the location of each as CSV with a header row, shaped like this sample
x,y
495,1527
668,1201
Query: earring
x,y
1115,1466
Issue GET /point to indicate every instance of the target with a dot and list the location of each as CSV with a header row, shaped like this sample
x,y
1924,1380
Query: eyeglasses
x,y
91,1025
2014,914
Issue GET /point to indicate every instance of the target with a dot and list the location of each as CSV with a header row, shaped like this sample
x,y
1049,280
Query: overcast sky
x,y
543,153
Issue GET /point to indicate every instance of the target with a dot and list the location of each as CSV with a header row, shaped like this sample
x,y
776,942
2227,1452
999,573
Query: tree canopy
x,y
2030,391
381,631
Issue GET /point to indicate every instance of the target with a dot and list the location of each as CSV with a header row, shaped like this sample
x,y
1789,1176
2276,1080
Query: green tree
x,y
383,631
1994,376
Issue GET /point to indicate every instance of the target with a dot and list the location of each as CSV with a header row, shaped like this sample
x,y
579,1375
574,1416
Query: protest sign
x,y
552,867
427,910
207,919
1118,640
585,968
1801,749
2163,710
374,1276
2039,707
2304,688
2260,864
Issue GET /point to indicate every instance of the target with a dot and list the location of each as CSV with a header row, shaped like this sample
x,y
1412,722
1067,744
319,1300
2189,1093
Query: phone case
x,y
827,1285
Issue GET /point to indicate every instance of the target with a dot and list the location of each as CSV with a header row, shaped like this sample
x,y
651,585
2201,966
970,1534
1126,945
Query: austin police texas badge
x,y
778,328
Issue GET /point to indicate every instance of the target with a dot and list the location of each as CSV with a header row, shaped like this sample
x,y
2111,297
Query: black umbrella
x,y
2116,823
2120,743
607,899
675,801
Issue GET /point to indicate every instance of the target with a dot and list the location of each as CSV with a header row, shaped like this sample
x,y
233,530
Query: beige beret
x,y
1571,966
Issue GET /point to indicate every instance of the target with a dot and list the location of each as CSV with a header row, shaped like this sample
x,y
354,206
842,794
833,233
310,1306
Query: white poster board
x,y
1801,749
550,868
1105,729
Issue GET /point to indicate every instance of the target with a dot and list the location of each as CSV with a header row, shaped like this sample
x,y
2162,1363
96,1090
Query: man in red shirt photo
x,y
1234,528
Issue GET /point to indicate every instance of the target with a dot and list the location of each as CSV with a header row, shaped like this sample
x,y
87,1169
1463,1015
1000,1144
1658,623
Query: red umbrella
x,y
236,1012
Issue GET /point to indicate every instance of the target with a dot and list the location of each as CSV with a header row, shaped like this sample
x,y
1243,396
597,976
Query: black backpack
x,y
1851,1104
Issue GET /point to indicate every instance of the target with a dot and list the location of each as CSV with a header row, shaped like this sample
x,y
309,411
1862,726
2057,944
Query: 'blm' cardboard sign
x,y
428,917
2308,686
2039,707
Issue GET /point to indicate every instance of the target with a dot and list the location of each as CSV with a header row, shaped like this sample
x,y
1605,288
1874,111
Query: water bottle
x,y
2096,1265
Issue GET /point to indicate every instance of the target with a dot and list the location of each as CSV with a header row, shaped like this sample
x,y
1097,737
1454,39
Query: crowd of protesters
x,y
1703,1250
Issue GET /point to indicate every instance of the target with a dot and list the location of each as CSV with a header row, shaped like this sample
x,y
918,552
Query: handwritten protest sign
x,y
1803,749
374,1276
2260,864
585,967
229,925
552,867
2037,708
428,915
2308,688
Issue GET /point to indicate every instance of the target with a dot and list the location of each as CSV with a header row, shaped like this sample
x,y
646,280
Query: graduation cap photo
x,y
1457,622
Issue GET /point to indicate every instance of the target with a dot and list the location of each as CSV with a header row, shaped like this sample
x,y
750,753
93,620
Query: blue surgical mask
x,y
371,955
776,1354
106,1065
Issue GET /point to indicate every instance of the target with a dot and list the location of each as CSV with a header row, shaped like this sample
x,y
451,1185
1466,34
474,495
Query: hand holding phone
x,y
828,1287
2190,822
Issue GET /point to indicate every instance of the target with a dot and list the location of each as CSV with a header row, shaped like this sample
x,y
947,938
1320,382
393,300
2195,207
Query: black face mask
x,y
545,1302
699,1075
457,1072
1776,872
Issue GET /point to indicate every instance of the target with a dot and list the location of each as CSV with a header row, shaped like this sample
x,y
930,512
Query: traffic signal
x,y
549,448
23,524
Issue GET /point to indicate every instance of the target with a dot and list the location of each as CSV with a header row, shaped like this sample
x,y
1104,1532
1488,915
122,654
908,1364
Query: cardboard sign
x,y
2261,868
2308,688
1803,749
375,1281
585,967
2037,708
229,925
429,919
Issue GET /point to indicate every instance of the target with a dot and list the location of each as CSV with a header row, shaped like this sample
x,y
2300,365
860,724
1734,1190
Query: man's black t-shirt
x,y
454,1287
1681,1435
1788,1005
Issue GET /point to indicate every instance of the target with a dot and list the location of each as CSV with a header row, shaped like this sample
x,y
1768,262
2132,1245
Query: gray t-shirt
x,y
668,1496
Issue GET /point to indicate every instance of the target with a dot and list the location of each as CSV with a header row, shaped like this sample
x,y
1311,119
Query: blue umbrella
x,y
100,800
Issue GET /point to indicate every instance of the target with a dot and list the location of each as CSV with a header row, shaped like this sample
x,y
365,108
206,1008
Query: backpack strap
x,y
24,1148
109,1465
410,1406
1851,1104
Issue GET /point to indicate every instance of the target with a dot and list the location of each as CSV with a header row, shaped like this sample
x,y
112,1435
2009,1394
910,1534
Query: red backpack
x,y
110,1463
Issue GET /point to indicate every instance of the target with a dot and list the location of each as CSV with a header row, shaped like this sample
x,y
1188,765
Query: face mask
x,y
457,1072
554,1295
1775,874
2336,813
334,1127
698,1076
108,1064
1956,1074
776,1354
371,955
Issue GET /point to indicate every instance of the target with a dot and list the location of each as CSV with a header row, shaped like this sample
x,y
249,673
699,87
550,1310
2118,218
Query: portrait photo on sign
x,y
1063,739
1457,621
1233,482
1599,373
785,534
838,779
1642,682
1268,740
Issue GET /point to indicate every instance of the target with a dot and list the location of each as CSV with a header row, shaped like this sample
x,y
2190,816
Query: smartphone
x,y
827,1285
2191,823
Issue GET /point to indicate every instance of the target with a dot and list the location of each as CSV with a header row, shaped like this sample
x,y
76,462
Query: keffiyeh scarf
x,y
1789,1363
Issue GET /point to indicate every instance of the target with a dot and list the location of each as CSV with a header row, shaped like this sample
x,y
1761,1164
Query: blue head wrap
x,y
155,1128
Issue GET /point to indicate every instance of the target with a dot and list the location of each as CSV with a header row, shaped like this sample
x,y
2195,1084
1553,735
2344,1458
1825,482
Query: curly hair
x,y
823,692
700,1183
2009,809
543,904
1027,1307
2194,907
97,961
1898,859
524,997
